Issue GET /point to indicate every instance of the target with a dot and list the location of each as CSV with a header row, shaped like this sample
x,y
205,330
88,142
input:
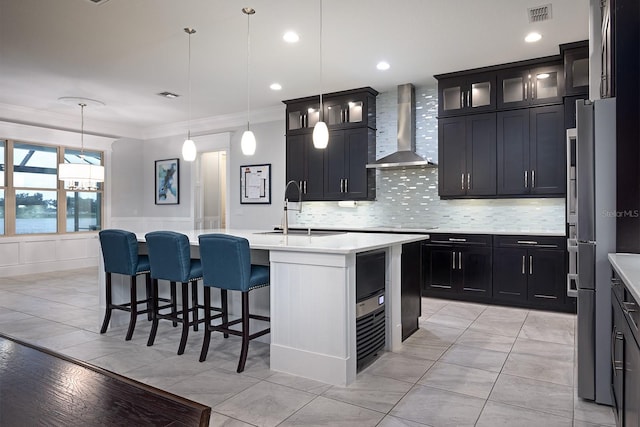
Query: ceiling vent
x,y
539,13
98,1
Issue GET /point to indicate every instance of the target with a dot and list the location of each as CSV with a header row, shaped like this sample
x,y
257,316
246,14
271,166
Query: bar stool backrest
x,y
226,261
169,256
119,251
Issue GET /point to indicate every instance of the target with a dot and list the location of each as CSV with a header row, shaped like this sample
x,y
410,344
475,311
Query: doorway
x,y
211,190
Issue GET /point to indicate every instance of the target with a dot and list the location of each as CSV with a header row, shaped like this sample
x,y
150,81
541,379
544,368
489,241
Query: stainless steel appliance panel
x,y
585,176
586,266
586,344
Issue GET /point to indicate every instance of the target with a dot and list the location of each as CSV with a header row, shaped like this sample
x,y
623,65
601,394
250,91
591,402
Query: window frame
x,y
60,190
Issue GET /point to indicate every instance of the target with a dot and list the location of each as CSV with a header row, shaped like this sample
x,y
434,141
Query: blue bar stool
x,y
170,259
226,264
120,255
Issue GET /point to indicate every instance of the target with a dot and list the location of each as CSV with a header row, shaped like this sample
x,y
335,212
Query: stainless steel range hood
x,y
405,155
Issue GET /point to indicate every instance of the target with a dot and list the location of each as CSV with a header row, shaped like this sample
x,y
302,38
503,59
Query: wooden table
x,y
40,387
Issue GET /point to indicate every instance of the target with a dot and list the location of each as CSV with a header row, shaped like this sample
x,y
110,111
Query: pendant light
x,y
189,147
320,131
85,175
248,141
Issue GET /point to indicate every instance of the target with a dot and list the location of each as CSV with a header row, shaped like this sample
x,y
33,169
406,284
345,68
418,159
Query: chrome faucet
x,y
285,226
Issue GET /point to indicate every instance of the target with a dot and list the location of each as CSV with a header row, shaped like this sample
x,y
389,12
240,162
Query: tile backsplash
x,y
408,197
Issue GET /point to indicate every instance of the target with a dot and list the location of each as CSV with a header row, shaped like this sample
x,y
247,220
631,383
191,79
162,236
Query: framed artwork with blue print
x,y
167,182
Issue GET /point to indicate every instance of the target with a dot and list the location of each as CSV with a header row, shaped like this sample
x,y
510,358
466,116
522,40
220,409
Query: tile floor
x,y
469,364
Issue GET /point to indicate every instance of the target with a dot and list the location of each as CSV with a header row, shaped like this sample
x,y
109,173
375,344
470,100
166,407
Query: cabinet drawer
x,y
550,242
460,239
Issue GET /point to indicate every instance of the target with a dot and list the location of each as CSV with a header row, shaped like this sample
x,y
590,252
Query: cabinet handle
x,y
526,179
522,264
629,307
305,186
468,181
346,115
468,98
461,99
530,264
462,181
346,185
456,239
526,91
453,260
342,185
527,242
459,260
533,178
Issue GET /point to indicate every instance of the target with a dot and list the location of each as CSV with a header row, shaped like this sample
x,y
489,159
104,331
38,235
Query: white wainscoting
x,y
43,253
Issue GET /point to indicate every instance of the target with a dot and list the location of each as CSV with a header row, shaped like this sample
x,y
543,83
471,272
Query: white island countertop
x,y
338,243
551,232
628,268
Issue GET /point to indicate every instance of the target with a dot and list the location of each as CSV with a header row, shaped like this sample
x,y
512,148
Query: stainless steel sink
x,y
301,232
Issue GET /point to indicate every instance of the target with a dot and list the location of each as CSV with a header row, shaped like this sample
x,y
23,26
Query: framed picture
x,y
255,184
167,182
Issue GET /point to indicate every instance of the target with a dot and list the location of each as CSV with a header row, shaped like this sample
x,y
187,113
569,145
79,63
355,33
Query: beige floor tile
x,y
327,412
399,367
472,357
460,379
473,338
371,392
497,414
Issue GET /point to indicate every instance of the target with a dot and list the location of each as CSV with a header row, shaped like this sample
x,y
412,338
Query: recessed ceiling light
x,y
290,37
275,86
532,37
169,94
383,65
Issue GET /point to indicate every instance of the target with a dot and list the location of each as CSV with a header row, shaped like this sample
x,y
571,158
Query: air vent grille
x,y
539,13
98,1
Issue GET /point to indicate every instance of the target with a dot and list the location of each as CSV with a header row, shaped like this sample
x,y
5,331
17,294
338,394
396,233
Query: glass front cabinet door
x,y
521,87
302,116
473,93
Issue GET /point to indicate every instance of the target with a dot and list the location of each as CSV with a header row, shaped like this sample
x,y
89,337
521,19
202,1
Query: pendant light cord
x,y
248,62
189,31
321,116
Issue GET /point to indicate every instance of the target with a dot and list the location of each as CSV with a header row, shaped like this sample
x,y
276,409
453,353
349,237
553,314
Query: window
x,y
36,201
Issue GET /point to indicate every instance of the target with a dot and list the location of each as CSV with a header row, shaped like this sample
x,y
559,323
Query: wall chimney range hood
x,y
405,155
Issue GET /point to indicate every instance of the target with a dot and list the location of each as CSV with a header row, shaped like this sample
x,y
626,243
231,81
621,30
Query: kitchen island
x,y
312,296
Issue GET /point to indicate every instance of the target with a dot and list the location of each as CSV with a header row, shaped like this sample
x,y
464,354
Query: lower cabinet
x,y
522,271
457,265
530,270
625,356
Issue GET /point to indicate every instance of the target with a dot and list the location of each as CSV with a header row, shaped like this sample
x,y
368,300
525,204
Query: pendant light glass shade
x,y
320,130
320,135
189,147
248,143
81,176
189,150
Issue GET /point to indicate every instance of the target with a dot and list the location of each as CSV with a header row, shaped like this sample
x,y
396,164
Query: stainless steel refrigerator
x,y
595,236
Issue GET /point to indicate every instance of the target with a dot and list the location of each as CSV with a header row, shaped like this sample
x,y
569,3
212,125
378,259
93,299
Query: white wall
x,y
51,252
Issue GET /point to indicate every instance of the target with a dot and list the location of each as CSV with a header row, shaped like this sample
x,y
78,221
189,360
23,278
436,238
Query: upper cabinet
x,y
522,87
339,171
576,68
467,94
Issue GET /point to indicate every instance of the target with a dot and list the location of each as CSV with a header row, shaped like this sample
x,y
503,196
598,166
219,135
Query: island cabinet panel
x,y
467,155
339,171
531,153
410,291
457,265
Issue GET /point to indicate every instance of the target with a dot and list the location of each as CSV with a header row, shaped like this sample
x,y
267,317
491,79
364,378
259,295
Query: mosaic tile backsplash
x,y
409,198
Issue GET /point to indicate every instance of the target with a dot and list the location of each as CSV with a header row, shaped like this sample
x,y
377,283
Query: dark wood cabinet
x,y
345,172
472,93
410,288
467,155
576,68
304,166
527,86
338,172
531,153
457,266
530,270
625,355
